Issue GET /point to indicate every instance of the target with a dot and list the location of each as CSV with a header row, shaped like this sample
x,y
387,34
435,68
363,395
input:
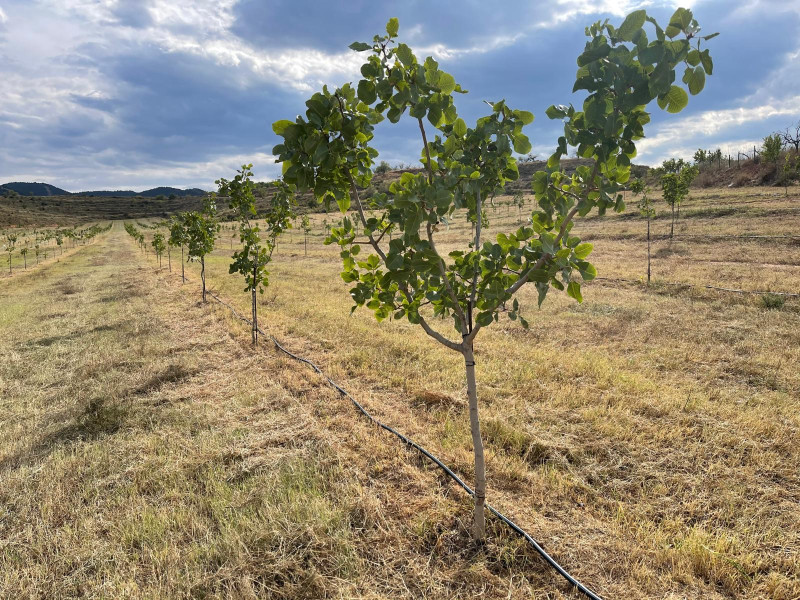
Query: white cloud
x,y
714,127
3,17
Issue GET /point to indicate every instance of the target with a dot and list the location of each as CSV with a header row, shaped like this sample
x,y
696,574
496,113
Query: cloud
x,y
103,90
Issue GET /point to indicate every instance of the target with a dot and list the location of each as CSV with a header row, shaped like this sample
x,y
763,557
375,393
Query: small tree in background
x,y
771,150
24,252
158,246
202,228
11,242
328,151
252,260
645,206
305,223
177,237
675,187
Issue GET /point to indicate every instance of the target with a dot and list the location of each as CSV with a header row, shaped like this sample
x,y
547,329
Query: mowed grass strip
x,y
647,437
147,452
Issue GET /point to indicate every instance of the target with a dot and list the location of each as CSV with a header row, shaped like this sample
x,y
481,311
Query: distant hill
x,y
45,189
33,189
152,193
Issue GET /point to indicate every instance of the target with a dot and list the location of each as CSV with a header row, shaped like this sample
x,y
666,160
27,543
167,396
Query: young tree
x,y
519,202
305,222
24,252
11,242
201,231
252,260
177,237
158,246
675,186
645,206
329,152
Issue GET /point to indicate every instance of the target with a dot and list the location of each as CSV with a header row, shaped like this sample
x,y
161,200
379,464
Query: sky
x,y
133,94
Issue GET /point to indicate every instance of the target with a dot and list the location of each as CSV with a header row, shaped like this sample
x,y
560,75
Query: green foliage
x,y
158,243
771,150
201,229
305,223
252,260
384,167
675,185
645,205
773,301
329,152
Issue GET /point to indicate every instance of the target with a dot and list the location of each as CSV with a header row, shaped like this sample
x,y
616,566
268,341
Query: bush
x,y
773,301
771,150
383,167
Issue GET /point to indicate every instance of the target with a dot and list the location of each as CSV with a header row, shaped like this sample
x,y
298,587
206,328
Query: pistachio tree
x,y
11,243
252,260
675,187
159,245
202,228
646,209
329,152
24,252
305,222
177,237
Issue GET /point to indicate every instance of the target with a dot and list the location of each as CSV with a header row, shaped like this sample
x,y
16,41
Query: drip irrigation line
x,y
708,287
409,442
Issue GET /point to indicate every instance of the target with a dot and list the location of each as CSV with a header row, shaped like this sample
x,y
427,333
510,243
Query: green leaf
x,y
708,64
460,128
392,27
583,250
556,112
344,203
366,91
447,82
525,116
679,21
280,126
483,319
403,52
695,79
521,144
632,23
359,46
574,291
675,100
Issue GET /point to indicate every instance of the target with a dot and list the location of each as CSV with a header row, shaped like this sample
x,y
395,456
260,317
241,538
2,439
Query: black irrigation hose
x,y
516,528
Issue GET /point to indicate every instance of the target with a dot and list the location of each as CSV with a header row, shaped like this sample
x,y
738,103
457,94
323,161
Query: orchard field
x,y
646,437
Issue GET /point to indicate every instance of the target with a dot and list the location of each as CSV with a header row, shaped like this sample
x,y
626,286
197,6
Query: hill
x,y
33,189
45,189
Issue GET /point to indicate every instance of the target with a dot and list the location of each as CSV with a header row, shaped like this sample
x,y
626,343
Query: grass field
x,y
647,437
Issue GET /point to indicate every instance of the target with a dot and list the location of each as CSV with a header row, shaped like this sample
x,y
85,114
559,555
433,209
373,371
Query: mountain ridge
x,y
24,188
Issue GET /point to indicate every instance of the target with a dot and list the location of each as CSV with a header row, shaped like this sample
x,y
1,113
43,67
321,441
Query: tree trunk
x,y
255,308
306,246
183,267
672,223
25,258
648,250
169,258
203,275
479,524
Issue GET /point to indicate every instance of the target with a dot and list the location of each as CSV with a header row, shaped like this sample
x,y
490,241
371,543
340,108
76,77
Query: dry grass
x,y
647,437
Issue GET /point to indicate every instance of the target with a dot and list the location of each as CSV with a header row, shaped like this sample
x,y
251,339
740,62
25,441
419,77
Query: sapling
x,y
24,252
675,186
11,242
306,224
252,260
645,206
177,237
158,246
328,152
201,231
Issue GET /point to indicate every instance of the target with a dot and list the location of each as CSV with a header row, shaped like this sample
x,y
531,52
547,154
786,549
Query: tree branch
x,y
427,151
445,280
372,241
